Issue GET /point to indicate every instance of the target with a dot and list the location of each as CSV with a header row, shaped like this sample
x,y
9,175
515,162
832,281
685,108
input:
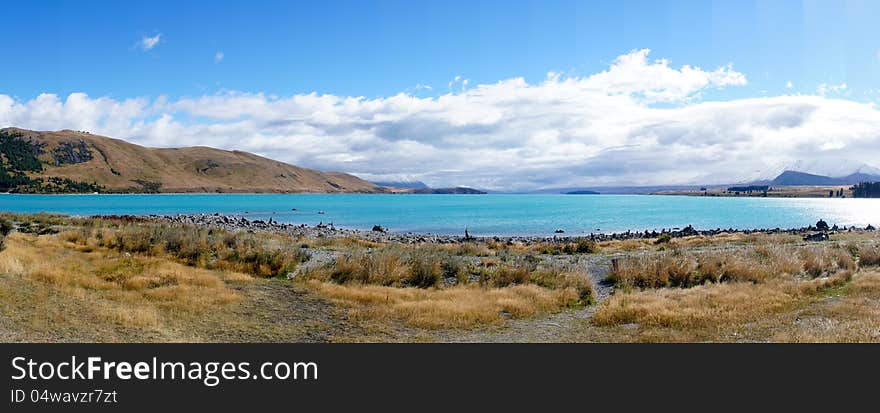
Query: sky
x,y
504,95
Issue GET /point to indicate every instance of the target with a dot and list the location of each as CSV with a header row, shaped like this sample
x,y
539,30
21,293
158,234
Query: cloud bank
x,y
639,122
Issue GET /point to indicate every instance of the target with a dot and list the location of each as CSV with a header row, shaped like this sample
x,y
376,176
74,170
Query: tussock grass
x,y
126,290
263,256
711,306
696,307
566,278
581,246
869,256
754,265
627,245
819,261
391,266
434,288
664,270
455,307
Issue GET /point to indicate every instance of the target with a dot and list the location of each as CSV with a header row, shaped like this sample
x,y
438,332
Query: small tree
x,y
5,229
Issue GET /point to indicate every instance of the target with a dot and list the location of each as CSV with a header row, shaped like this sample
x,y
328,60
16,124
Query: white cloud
x,y
147,42
789,85
638,122
459,81
826,89
218,57
656,81
418,88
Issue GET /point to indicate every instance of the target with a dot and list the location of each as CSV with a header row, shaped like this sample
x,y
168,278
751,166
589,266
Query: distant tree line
x,y
19,154
750,188
866,190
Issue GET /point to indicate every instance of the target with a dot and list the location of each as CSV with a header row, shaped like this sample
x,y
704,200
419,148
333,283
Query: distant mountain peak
x,y
833,167
825,167
402,184
796,178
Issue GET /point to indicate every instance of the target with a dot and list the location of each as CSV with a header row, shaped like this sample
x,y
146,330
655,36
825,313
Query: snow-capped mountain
x,y
402,184
834,168
395,181
844,171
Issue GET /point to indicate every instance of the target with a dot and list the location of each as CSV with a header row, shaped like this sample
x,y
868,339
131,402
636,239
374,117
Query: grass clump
x,y
392,266
265,256
582,246
698,307
563,278
664,238
505,276
823,261
752,265
664,270
869,256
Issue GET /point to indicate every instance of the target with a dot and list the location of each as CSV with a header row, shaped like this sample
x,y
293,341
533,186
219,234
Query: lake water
x,y
481,214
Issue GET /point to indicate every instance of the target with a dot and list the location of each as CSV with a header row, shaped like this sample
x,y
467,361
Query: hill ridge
x,y
76,161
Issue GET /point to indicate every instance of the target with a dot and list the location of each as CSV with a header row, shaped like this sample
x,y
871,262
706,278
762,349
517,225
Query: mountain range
x,y
821,172
797,178
403,184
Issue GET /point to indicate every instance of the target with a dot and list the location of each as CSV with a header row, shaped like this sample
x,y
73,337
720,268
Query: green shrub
x,y
425,271
585,246
5,228
664,238
453,267
505,276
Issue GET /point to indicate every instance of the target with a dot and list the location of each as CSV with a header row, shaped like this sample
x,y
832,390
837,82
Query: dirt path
x,y
278,311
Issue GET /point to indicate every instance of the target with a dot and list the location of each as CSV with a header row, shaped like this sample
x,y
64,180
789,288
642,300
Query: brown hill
x,y
79,159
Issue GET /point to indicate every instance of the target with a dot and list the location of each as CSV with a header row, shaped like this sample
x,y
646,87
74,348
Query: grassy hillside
x,y
70,161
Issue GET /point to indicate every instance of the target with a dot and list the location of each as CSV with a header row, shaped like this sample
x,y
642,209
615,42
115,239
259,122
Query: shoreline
x,y
380,234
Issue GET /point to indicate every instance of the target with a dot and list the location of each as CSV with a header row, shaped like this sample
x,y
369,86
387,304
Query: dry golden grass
x,y
710,305
456,307
681,268
869,256
435,289
127,290
735,238
728,291
130,275
264,255
698,241
390,266
627,245
694,307
655,271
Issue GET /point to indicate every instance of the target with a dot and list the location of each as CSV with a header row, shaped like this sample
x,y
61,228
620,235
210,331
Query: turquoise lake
x,y
481,214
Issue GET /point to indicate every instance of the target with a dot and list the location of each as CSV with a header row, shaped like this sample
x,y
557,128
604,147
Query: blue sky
x,y
361,48
504,95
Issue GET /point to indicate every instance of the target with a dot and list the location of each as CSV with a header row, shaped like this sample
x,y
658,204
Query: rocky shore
x,y
380,234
